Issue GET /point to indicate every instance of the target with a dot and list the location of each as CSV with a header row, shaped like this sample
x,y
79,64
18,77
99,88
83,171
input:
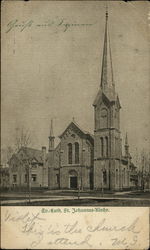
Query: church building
x,y
83,160
71,162
86,161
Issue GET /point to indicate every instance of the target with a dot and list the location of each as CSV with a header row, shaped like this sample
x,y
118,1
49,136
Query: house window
x,y
104,177
106,139
14,178
70,153
34,177
102,146
77,153
57,178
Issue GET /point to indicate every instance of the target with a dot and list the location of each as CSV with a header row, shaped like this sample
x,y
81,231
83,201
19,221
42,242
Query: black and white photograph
x,y
75,103
75,124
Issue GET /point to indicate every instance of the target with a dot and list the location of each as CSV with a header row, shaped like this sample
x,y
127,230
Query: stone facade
x,y
71,163
81,161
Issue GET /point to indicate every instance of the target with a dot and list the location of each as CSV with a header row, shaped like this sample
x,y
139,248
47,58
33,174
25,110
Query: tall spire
x,y
107,82
51,138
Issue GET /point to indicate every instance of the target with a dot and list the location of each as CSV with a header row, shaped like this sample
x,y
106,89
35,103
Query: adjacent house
x,y
28,166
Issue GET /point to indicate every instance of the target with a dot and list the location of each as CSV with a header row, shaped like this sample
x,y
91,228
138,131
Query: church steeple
x,y
107,85
107,81
51,138
107,140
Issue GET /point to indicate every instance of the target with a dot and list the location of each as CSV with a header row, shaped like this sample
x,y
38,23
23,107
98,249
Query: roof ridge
x,y
31,148
76,124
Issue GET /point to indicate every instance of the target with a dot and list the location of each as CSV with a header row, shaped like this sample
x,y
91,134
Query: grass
x,y
42,194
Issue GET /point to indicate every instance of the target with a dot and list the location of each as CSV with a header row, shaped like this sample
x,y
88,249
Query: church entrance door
x,y
73,182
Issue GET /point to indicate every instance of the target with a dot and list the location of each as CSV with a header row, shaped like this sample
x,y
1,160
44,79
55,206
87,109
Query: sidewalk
x,y
61,198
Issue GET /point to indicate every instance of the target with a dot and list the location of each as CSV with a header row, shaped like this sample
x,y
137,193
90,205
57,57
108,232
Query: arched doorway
x,y
73,179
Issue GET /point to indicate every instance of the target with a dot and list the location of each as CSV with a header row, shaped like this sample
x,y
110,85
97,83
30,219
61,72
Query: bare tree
x,y
9,152
6,154
22,138
145,168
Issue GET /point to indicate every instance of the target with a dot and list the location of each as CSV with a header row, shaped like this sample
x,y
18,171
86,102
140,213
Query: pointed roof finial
x,y
73,119
106,10
51,129
107,82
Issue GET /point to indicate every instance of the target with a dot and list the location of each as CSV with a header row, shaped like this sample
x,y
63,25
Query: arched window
x,y
117,177
102,146
104,118
106,139
76,153
104,177
70,153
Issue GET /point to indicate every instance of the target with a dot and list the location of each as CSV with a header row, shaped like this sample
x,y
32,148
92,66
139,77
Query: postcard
x,y
75,159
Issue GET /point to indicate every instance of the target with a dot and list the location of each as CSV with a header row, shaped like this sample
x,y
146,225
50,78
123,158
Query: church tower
x,y
107,140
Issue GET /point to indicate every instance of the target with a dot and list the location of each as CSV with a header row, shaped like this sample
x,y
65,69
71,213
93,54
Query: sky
x,y
51,67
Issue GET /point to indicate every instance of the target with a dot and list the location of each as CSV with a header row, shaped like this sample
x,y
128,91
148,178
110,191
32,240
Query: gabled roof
x,y
108,97
100,95
73,125
29,153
